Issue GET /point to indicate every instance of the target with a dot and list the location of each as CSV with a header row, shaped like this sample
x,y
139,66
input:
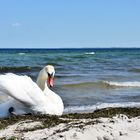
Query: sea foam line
x,y
21,53
90,53
106,84
91,108
123,84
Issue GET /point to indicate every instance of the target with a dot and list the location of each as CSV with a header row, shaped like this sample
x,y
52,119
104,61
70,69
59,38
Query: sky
x,y
69,23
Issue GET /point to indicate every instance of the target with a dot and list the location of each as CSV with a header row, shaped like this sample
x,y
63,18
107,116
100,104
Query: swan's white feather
x,y
24,91
22,88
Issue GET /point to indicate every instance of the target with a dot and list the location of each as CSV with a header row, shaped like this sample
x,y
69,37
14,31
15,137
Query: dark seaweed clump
x,y
47,120
106,112
50,121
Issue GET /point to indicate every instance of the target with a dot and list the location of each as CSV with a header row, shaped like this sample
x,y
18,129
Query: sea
x,y
86,79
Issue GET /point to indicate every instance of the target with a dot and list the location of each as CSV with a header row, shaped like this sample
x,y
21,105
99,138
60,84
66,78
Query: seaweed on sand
x,y
51,120
106,112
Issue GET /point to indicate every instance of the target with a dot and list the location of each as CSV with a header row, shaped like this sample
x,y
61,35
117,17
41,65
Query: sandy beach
x,y
70,70
104,124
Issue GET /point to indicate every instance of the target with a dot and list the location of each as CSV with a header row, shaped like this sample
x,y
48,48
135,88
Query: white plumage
x,y
28,97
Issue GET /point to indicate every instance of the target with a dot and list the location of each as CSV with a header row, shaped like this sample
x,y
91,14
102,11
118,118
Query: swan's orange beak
x,y
50,81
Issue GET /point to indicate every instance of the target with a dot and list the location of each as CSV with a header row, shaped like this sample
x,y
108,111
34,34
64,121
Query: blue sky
x,y
69,23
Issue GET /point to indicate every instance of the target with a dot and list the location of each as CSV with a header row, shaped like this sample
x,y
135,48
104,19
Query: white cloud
x,y
16,24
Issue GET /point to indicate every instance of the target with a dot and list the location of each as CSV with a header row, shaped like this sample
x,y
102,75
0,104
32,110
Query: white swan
x,y
28,97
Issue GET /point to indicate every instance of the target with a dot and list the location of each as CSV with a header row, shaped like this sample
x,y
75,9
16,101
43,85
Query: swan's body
x,y
28,97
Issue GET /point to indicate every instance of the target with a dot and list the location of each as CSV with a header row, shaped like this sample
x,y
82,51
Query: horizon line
x,y
77,48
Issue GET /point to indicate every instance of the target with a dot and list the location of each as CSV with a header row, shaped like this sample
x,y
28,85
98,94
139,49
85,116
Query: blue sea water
x,y
86,79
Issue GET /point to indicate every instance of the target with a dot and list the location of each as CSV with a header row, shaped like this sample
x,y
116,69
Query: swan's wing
x,y
21,88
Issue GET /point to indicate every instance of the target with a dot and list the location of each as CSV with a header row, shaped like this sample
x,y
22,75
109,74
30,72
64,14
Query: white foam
x,y
123,84
90,53
91,108
21,53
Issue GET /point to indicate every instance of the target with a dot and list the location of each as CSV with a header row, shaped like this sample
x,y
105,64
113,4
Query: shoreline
x,y
102,124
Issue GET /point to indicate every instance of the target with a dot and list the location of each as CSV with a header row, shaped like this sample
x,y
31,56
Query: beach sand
x,y
104,124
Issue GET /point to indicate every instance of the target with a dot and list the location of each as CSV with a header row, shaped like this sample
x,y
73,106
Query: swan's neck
x,y
41,80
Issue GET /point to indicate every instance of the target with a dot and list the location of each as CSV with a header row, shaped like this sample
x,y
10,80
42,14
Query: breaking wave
x,y
21,53
123,84
91,108
104,84
90,53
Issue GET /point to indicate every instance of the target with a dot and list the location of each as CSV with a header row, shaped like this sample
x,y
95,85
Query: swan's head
x,y
49,69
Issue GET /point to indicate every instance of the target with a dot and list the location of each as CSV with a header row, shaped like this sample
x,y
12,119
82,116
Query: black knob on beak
x,y
50,75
